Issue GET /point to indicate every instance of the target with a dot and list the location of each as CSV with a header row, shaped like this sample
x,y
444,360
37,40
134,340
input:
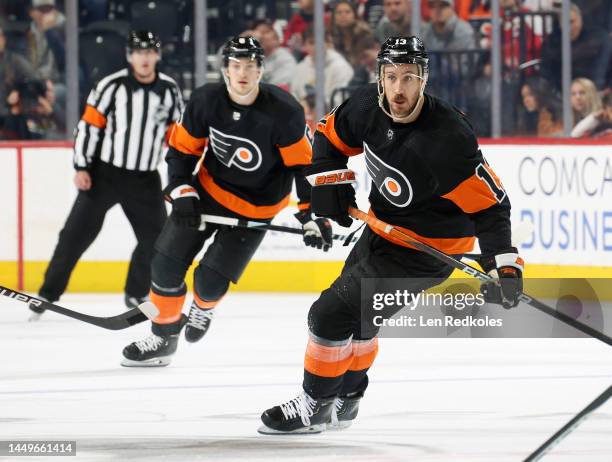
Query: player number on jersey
x,y
484,174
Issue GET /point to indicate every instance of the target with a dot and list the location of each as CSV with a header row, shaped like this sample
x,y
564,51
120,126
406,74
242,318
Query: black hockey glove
x,y
332,194
185,202
507,270
317,232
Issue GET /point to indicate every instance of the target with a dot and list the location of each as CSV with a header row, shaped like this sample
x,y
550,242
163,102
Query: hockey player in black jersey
x,y
256,143
431,181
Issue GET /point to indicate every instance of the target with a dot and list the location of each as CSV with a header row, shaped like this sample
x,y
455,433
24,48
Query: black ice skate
x,y
303,414
153,351
344,412
36,311
198,323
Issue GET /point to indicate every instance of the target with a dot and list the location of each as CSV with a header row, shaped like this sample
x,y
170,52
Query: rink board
x,y
563,190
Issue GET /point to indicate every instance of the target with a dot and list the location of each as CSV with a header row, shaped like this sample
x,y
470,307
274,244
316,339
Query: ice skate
x,y
153,351
303,414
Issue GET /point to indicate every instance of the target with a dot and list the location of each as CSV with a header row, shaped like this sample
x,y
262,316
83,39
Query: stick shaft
x,y
398,234
219,220
570,426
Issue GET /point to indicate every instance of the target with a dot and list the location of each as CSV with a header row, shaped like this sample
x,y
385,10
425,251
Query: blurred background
x,y
508,78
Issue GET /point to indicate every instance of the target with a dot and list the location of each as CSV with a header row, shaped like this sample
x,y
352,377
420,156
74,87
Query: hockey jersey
x,y
429,177
253,152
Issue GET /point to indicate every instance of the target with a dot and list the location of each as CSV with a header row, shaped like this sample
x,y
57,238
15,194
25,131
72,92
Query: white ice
x,y
429,399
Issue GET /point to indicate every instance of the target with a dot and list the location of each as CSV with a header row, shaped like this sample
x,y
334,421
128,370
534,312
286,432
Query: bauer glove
x,y
506,268
317,232
332,193
185,202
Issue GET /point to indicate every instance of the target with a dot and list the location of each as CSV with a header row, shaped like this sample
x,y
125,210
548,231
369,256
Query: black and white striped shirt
x,y
125,122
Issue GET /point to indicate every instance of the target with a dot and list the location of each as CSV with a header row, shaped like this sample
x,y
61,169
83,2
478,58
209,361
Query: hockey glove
x,y
317,232
332,194
507,270
185,202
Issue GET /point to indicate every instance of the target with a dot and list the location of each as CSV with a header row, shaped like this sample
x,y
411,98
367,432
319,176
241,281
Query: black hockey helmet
x,y
403,50
243,47
143,40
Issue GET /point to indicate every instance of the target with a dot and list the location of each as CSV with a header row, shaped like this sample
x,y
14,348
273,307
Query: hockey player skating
x,y
429,180
257,144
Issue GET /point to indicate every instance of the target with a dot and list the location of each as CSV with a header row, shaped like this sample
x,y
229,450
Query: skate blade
x,y
313,429
341,425
155,362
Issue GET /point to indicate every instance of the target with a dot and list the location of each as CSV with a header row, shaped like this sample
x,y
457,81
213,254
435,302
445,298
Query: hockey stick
x,y
219,220
396,233
570,426
145,311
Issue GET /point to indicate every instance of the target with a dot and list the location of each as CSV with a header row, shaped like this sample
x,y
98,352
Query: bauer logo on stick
x,y
235,151
392,184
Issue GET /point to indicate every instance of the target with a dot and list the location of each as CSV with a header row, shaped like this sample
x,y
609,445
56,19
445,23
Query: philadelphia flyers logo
x,y
235,151
392,184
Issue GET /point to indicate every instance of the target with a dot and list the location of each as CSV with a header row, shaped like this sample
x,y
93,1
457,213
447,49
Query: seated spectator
x,y
366,71
338,72
590,52
279,63
598,124
348,31
584,98
540,113
297,24
446,31
396,21
26,103
45,17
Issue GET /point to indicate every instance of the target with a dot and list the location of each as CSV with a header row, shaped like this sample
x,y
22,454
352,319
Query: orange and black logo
x,y
235,151
392,184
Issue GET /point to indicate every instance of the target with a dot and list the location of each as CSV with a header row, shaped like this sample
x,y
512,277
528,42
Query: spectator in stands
x,y
590,52
365,72
14,71
338,72
446,31
540,113
297,24
45,17
584,98
26,103
279,63
396,21
348,31
598,124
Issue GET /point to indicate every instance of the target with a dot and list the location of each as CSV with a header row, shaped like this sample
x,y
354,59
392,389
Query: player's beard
x,y
402,105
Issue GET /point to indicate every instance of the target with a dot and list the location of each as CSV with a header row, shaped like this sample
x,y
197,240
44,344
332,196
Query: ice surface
x,y
429,399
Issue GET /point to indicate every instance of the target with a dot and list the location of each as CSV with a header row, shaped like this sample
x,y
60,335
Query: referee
x,y
118,146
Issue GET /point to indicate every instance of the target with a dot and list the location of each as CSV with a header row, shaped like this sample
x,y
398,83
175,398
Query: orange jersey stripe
x,y
364,354
169,307
327,361
329,131
237,204
304,206
94,117
204,303
473,195
181,140
449,245
299,153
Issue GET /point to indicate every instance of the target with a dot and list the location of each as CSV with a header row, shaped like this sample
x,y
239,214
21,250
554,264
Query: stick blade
x,y
149,310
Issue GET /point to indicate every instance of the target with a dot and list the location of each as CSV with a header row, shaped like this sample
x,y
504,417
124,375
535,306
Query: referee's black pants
x,y
140,196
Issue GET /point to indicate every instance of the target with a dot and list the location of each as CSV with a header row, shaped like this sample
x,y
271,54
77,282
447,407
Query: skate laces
x,y
200,318
302,406
150,343
338,403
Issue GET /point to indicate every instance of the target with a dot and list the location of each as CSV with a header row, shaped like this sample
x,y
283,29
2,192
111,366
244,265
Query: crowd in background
x,y
457,33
